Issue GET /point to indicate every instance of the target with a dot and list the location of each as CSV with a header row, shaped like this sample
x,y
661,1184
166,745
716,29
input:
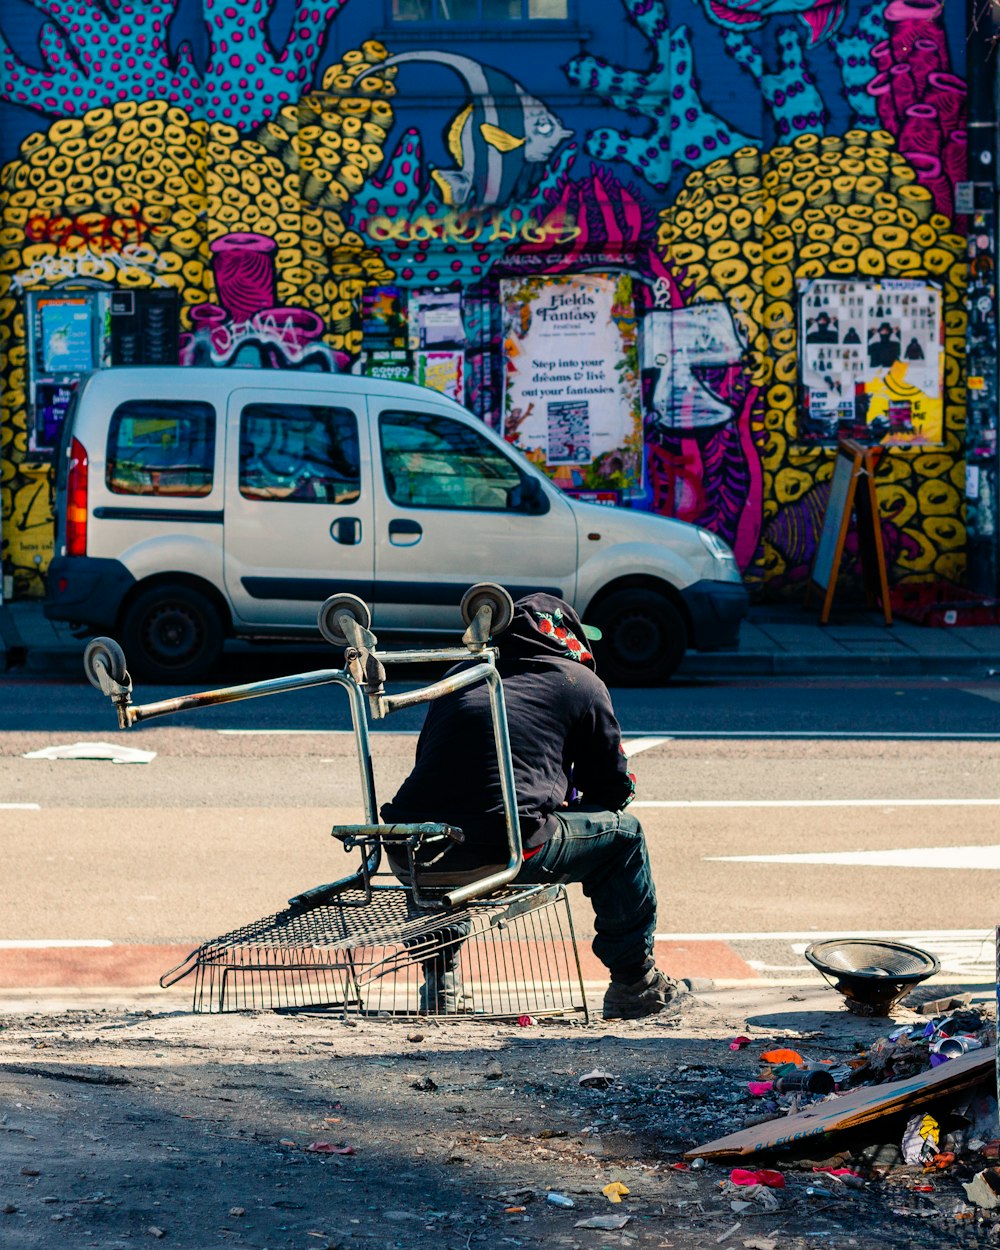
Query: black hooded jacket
x,y
563,737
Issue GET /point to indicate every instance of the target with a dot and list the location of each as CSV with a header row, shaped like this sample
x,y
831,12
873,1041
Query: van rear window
x,y
161,447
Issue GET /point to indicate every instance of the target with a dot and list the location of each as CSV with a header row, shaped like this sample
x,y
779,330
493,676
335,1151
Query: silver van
x,y
194,505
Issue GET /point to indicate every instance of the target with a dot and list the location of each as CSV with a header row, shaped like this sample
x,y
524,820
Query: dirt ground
x,y
125,1125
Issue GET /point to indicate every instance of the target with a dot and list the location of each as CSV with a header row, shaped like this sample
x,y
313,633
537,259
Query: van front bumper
x,y
716,610
86,589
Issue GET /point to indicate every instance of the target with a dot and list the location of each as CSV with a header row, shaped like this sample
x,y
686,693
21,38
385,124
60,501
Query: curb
x,y
786,665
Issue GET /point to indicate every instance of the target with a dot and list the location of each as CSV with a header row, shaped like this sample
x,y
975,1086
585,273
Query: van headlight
x,y
717,547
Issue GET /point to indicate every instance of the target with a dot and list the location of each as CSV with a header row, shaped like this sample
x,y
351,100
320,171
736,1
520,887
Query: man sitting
x,y
572,783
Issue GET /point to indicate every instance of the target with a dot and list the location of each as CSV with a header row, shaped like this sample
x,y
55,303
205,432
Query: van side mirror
x,y
529,497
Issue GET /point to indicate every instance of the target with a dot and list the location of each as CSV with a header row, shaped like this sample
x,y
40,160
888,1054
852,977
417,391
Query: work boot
x,y
441,991
653,992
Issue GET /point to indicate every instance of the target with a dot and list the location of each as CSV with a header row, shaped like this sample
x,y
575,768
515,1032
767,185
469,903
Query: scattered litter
x,y
597,1079
328,1148
546,1133
559,1200
425,1084
857,1107
116,753
156,1232
608,1222
939,1006
514,1210
984,1189
759,1176
760,1243
774,1057
759,1088
615,1191
237,1211
739,1042
920,1139
526,1021
727,1234
414,1037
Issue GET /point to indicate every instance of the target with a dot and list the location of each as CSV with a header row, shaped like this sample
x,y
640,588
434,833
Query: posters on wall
x,y
67,340
390,366
384,318
679,348
442,371
871,358
571,379
435,319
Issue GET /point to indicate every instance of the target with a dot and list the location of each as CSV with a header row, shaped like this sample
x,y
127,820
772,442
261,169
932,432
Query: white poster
x,y
571,379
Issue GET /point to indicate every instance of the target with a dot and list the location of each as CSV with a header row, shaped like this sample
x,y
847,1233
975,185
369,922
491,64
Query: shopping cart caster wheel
x,y
104,654
488,594
355,608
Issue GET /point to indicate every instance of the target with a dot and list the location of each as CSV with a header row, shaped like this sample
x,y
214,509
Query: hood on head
x,y
546,627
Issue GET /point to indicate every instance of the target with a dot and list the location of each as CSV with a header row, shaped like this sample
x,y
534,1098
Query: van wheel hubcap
x,y
172,634
637,638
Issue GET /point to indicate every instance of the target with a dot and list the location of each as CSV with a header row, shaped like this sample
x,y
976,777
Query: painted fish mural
x,y
500,141
822,17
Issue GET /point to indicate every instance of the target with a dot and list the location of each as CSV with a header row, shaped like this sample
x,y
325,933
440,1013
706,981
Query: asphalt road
x,y
892,785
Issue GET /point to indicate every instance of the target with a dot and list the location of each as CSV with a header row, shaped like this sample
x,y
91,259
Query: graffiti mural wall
x,y
398,192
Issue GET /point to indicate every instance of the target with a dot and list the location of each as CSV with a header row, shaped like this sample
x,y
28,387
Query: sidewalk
x,y
776,641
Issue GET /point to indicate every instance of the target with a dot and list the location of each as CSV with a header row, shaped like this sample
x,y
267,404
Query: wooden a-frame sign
x,y
852,490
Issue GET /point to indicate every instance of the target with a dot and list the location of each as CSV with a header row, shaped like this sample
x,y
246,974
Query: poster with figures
x,y
571,379
872,361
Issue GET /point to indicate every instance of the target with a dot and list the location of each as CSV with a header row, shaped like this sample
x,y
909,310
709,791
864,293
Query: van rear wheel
x,y
174,633
644,638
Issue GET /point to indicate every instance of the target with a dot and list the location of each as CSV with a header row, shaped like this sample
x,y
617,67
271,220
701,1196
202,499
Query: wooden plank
x,y
850,1110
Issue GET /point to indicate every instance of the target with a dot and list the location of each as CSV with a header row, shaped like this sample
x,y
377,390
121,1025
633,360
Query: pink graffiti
x,y
919,100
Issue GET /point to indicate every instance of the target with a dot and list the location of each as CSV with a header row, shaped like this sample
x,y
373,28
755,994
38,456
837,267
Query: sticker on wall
x,y
571,379
442,371
872,361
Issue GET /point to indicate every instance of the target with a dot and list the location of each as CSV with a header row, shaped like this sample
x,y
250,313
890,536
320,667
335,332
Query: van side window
x,y
161,447
432,461
300,452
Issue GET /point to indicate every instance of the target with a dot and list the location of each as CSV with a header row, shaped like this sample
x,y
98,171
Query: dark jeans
x,y
606,853
603,851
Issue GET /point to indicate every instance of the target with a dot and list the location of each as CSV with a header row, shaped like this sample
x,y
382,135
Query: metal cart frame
x,y
356,944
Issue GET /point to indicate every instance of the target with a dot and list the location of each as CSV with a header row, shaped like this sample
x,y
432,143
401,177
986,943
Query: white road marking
x,y
36,944
342,733
993,695
633,746
963,857
914,937
20,807
968,954
782,735
816,803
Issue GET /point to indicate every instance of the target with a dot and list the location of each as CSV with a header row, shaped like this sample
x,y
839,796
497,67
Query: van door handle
x,y
346,530
405,533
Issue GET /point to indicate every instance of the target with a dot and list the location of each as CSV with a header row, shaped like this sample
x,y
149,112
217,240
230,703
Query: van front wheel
x,y
174,633
644,638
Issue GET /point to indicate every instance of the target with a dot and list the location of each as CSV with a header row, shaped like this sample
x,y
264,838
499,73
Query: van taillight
x,y
76,500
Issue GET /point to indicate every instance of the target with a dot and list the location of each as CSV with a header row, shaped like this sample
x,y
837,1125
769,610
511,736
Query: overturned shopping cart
x,y
393,936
